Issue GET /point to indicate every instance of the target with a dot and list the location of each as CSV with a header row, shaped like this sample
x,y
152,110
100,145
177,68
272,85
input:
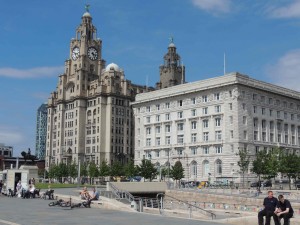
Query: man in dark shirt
x,y
283,210
270,204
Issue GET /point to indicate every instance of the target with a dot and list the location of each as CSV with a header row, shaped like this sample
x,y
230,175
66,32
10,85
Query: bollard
x,y
141,205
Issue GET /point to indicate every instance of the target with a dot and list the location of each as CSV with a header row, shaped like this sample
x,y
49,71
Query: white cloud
x,y
31,73
18,137
292,10
286,71
10,136
214,6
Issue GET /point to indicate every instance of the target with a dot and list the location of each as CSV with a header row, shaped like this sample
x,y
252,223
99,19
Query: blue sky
x,y
260,39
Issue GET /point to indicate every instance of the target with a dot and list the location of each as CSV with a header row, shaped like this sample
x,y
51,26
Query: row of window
x,y
205,98
279,114
286,139
180,114
279,125
181,126
180,139
271,101
205,150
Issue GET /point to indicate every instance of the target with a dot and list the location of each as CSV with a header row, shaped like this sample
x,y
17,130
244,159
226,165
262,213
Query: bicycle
x,y
63,203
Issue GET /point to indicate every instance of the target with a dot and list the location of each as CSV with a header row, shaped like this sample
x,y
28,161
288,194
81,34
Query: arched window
x,y
218,167
206,169
194,169
94,112
89,113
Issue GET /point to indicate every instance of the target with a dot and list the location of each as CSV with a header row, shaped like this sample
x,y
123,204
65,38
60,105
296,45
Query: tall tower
x,y
90,117
41,131
172,72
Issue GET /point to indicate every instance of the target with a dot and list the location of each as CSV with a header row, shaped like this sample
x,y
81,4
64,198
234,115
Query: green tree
x,y
84,169
42,172
73,170
177,171
243,162
104,169
116,169
289,165
272,163
147,170
164,173
93,171
130,170
259,165
62,171
52,171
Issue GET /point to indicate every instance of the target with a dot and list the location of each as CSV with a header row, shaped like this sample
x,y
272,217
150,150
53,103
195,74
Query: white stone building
x,y
89,113
203,124
6,151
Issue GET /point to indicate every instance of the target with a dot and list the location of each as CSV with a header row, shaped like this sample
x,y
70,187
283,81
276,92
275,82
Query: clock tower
x,y
90,118
172,72
85,62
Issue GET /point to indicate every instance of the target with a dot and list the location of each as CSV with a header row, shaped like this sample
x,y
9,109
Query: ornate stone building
x,y
203,124
172,72
89,114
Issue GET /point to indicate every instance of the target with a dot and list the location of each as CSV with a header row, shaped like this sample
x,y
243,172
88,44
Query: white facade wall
x,y
230,102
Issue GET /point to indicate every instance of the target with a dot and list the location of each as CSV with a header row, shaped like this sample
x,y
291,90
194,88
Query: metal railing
x,y
121,194
181,205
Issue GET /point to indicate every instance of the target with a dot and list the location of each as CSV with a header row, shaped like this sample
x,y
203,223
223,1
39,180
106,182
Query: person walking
x,y
270,204
283,210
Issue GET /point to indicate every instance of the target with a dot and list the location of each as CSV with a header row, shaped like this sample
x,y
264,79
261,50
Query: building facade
x,y
89,115
203,125
6,151
41,131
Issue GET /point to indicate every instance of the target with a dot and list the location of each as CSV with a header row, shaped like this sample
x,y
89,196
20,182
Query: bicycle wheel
x,y
75,205
65,204
53,204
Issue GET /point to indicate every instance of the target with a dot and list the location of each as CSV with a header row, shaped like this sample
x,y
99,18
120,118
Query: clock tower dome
x,y
172,72
85,62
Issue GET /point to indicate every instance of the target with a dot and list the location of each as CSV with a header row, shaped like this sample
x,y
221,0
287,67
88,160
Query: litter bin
x,y
134,205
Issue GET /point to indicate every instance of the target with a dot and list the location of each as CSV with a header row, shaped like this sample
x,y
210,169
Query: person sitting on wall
x,y
84,194
283,210
26,192
270,204
94,197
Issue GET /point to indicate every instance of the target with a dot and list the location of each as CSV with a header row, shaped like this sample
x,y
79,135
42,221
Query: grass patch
x,y
59,185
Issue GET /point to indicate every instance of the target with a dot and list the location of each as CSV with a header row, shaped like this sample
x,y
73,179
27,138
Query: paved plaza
x,y
15,211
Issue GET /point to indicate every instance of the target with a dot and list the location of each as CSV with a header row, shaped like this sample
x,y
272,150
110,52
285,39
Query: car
x,y
255,184
297,184
266,183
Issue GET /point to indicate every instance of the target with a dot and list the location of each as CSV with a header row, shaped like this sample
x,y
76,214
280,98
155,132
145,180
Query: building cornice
x,y
216,82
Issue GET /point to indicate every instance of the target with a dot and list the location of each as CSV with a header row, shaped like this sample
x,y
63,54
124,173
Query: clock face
x,y
75,53
92,53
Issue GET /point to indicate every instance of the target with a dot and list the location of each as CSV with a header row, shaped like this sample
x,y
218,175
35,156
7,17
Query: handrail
x,y
122,193
213,216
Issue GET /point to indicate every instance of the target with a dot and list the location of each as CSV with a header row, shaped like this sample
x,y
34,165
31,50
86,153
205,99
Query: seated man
x,y
95,196
283,210
48,193
25,191
84,194
270,204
